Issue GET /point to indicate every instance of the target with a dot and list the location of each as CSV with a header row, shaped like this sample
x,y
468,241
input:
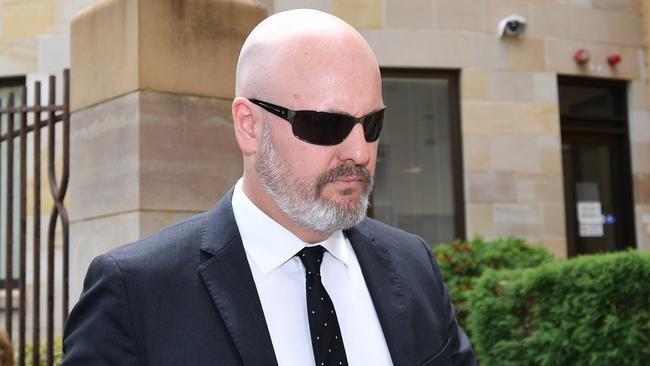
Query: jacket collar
x,y
386,291
227,276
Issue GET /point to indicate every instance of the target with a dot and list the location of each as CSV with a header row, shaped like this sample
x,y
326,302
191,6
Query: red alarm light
x,y
614,60
582,56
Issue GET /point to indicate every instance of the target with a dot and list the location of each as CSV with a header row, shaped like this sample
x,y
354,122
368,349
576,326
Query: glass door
x,y
596,164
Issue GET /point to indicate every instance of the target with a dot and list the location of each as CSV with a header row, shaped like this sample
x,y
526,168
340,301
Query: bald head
x,y
303,54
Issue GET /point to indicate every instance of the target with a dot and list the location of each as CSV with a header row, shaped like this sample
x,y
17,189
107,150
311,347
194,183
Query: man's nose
x,y
355,148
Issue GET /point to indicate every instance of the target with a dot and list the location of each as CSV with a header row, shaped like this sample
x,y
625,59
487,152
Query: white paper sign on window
x,y
590,219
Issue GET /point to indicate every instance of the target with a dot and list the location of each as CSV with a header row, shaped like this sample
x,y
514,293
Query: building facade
x,y
543,134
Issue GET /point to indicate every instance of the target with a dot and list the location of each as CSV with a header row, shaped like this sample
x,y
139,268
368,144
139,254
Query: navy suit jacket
x,y
186,296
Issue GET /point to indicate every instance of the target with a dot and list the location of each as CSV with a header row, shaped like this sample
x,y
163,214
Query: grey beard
x,y
303,202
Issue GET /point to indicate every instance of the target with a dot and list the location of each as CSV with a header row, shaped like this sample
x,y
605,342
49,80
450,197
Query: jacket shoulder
x,y
168,248
391,236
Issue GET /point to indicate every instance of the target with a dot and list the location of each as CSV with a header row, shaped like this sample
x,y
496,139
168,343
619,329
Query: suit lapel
x,y
387,294
227,276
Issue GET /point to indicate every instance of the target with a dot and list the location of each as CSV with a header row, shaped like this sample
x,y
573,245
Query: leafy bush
x,y
58,354
592,310
462,263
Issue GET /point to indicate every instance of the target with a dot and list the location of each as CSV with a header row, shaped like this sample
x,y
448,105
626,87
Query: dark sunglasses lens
x,y
372,125
322,128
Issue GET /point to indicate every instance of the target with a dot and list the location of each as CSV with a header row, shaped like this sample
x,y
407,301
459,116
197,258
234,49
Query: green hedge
x,y
58,353
462,263
592,310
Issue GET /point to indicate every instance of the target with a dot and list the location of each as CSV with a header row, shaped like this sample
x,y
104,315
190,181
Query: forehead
x,y
337,74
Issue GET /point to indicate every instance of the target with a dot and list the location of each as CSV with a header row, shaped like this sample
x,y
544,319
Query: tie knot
x,y
311,258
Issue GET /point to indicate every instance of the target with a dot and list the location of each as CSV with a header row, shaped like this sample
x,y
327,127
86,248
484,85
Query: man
x,y
285,269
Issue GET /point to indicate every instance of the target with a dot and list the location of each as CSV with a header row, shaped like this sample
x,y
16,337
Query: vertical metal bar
x,y
10,208
62,192
36,333
6,273
52,224
23,230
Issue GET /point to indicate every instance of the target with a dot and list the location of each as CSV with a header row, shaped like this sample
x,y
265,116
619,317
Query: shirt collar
x,y
270,244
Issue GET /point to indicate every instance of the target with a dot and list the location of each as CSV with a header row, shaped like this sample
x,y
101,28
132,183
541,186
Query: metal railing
x,y
54,114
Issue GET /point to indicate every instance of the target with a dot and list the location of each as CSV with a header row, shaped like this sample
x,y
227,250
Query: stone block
x,y
282,5
550,155
606,26
18,56
516,153
360,13
187,47
476,153
537,118
486,119
27,18
2,23
638,95
518,219
549,19
104,53
188,154
641,188
474,84
494,119
479,220
639,126
509,86
554,222
577,3
546,90
557,247
460,15
491,187
560,52
418,14
175,153
527,54
636,7
105,142
408,48
490,52
642,215
613,5
641,157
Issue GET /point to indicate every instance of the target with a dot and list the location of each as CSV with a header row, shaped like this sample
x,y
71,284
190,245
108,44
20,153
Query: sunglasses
x,y
325,128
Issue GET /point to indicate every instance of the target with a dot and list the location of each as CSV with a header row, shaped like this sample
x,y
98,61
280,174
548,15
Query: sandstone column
x,y
151,133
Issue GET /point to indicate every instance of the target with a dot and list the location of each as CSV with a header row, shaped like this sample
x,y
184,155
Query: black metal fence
x,y
15,118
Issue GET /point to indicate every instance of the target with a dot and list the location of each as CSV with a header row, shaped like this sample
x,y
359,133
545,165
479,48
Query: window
x,y
418,184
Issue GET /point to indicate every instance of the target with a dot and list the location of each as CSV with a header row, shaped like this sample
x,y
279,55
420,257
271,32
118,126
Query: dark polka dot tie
x,y
324,326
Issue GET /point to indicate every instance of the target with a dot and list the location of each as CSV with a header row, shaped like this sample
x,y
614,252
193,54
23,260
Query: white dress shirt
x,y
280,280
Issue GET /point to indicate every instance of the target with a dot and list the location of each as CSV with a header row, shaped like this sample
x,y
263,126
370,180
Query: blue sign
x,y
609,219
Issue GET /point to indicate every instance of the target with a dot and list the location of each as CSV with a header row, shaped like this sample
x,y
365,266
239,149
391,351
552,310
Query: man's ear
x,y
245,122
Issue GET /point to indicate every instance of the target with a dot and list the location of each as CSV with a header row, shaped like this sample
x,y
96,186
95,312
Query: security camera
x,y
512,26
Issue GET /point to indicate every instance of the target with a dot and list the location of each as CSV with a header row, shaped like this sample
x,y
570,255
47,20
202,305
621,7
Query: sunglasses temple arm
x,y
290,116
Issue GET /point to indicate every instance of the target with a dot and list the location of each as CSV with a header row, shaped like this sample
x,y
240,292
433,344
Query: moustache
x,y
345,170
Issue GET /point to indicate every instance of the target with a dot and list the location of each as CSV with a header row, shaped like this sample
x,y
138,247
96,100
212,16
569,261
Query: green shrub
x,y
58,353
462,263
592,310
